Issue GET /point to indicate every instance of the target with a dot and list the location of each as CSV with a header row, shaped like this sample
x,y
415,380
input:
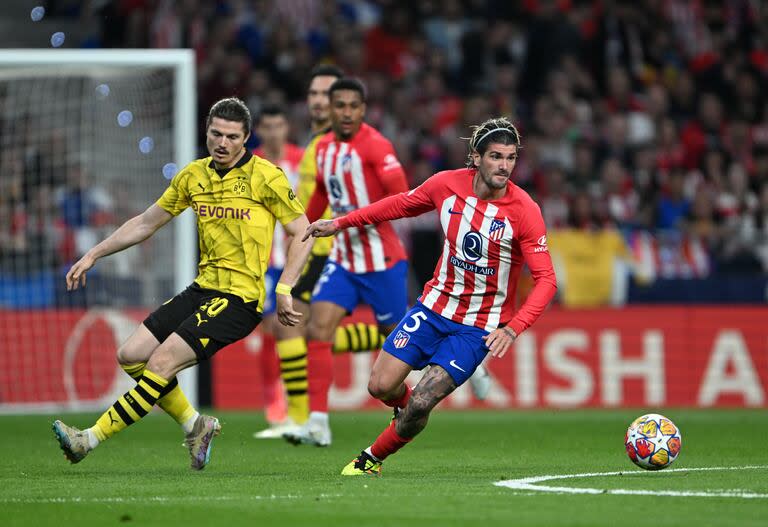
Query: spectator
x,y
618,196
673,206
649,116
555,197
704,131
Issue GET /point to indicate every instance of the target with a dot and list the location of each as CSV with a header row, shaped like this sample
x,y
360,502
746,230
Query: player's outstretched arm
x,y
298,252
133,231
403,205
321,228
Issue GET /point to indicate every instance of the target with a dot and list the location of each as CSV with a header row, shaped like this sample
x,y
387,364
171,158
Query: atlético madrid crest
x,y
401,339
496,231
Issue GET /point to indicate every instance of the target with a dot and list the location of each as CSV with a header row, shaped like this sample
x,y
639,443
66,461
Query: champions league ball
x,y
653,442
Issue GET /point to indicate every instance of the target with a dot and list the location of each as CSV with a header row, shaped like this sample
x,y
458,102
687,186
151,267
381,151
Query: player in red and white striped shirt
x,y
492,227
352,174
356,166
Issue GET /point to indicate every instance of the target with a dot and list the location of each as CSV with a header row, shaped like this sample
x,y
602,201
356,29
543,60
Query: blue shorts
x,y
270,281
423,337
385,291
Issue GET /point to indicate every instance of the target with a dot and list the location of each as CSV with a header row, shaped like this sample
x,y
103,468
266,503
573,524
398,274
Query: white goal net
x,y
88,139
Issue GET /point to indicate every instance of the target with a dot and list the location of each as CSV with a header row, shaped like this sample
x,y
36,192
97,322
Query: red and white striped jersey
x,y
290,165
350,175
486,245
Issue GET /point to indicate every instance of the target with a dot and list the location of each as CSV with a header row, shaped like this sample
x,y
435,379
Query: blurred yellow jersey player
x,y
291,344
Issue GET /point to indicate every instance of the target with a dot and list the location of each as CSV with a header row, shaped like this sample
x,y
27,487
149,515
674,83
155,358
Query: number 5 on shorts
x,y
324,277
417,317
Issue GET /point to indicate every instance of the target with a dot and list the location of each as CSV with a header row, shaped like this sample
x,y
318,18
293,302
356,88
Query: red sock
x,y
401,401
274,397
320,374
388,443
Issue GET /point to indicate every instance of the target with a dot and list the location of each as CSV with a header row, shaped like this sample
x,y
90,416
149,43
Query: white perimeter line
x,y
163,499
529,484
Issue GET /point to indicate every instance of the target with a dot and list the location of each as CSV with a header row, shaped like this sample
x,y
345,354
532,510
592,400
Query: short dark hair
x,y
348,83
271,110
231,109
499,130
325,70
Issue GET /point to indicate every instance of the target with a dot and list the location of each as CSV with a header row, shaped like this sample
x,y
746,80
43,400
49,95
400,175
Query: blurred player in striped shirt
x,y
492,227
356,166
290,340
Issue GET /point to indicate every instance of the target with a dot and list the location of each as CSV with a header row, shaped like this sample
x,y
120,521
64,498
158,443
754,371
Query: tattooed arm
x,y
435,386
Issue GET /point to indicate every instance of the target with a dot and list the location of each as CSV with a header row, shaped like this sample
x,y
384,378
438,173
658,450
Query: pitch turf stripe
x,y
165,499
532,484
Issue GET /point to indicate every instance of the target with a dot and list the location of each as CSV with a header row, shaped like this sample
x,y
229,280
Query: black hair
x,y
231,109
271,110
347,83
325,70
499,130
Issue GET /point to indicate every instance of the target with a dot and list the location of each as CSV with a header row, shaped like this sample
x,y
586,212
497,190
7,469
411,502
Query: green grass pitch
x,y
445,477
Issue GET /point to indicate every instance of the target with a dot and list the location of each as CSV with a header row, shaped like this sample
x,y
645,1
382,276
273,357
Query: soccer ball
x,y
653,442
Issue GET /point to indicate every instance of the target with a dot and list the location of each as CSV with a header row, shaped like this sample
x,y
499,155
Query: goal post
x,y
88,138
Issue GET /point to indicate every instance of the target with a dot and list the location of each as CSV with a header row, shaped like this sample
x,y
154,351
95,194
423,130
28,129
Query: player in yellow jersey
x,y
291,343
238,198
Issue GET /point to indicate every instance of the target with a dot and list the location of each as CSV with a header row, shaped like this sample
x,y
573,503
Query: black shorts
x,y
206,319
306,284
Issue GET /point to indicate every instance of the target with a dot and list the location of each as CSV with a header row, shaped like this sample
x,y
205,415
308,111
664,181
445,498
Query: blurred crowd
x,y
648,118
49,213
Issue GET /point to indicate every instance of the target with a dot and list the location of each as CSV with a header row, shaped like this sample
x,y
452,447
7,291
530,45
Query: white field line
x,y
163,499
530,485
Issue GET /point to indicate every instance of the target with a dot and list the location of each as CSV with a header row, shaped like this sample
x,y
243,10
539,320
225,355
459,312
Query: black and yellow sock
x,y
132,406
293,372
358,337
134,370
172,400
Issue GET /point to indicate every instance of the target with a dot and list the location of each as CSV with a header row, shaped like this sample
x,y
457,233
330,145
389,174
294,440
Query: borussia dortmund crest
x,y
240,188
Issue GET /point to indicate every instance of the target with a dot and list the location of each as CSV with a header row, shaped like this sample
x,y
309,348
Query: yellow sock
x,y
132,406
293,372
358,337
172,401
134,370
175,403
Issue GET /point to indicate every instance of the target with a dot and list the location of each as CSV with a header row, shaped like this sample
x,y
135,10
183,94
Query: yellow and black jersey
x,y
236,213
307,182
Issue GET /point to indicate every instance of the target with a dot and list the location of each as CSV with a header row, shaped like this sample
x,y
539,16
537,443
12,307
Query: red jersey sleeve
x,y
533,244
388,168
403,205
